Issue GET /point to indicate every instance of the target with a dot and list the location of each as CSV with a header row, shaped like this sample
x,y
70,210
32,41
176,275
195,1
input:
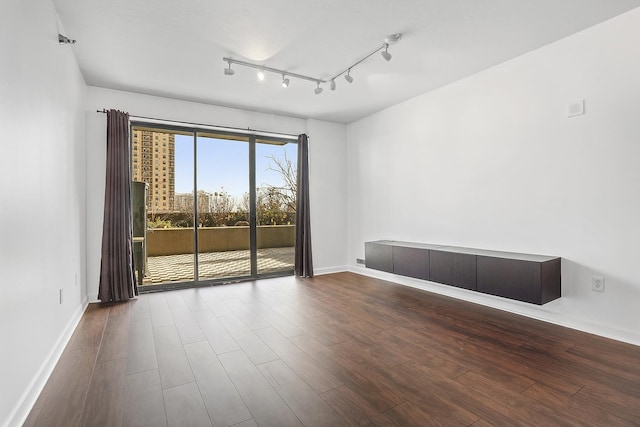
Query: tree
x,y
271,208
222,208
159,223
289,188
275,204
183,217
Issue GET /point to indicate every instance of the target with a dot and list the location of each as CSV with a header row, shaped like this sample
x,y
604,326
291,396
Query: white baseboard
x,y
329,270
516,307
29,397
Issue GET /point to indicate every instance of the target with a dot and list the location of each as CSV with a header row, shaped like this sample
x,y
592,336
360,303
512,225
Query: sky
x,y
224,164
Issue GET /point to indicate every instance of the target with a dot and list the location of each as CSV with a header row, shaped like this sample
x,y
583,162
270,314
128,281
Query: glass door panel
x,y
276,178
223,224
162,175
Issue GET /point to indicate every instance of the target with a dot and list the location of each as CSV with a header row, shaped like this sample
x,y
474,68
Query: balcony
x,y
223,252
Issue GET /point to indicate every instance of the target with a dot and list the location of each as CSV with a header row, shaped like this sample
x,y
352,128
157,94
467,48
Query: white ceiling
x,y
174,48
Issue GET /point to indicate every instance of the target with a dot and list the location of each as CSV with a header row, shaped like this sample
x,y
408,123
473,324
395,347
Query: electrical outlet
x,y
61,294
597,284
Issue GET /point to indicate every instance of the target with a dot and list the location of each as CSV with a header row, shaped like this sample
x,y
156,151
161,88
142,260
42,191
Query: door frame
x,y
252,139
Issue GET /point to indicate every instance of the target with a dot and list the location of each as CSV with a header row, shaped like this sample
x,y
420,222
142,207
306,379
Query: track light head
x,y
348,77
386,55
392,38
261,75
285,81
333,84
229,71
318,90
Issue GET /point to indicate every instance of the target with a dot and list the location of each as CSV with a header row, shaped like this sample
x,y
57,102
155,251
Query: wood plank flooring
x,y
336,350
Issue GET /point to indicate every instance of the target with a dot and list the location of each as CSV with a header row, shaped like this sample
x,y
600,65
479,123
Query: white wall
x,y
325,140
493,162
328,179
42,192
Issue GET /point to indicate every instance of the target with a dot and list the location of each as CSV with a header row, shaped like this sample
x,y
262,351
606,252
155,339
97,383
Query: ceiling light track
x,y
391,39
263,68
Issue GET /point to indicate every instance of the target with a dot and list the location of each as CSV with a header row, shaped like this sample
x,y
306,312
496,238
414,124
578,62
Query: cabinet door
x,y
451,268
509,278
411,262
551,280
378,256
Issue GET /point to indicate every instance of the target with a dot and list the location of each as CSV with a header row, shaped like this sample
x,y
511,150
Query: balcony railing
x,y
175,241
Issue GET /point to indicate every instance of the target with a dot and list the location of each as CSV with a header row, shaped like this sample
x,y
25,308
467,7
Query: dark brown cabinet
x,y
523,277
411,262
533,279
453,268
378,257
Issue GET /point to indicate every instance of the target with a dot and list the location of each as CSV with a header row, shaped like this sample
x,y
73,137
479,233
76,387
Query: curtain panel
x,y
303,265
117,281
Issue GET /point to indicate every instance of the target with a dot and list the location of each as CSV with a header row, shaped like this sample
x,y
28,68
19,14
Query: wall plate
x,y
576,109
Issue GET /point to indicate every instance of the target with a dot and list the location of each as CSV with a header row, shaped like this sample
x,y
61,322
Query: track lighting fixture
x,y
390,39
229,71
348,77
386,55
262,69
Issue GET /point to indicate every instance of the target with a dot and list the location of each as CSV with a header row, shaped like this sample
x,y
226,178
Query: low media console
x,y
523,277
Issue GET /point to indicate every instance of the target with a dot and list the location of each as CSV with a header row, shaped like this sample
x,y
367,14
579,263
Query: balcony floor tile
x,y
179,268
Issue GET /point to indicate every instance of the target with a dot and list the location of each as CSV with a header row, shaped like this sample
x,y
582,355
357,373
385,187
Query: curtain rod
x,y
247,131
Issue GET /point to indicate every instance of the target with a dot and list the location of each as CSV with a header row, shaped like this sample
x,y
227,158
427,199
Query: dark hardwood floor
x,y
340,349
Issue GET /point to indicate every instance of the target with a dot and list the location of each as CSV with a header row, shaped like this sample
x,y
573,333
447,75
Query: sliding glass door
x,y
276,177
222,180
162,173
218,206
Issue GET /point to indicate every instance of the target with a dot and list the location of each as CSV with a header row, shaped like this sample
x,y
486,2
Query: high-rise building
x,y
153,162
184,202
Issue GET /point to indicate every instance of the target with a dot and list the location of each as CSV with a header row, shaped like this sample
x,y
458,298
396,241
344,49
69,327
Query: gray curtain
x,y
117,281
303,259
